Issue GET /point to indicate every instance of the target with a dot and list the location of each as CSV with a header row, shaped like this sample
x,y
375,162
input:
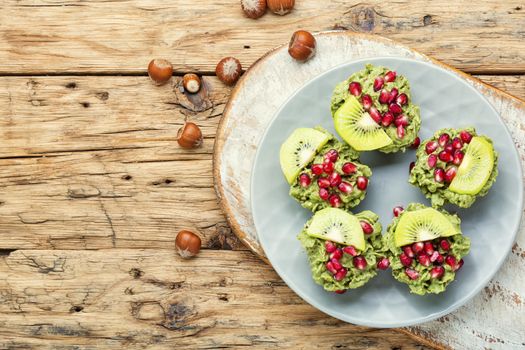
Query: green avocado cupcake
x,y
373,110
344,250
323,172
426,248
455,166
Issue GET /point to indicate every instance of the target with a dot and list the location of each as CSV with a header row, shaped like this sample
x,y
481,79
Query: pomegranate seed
x,y
336,254
424,260
374,113
439,260
460,264
367,102
304,180
330,267
345,187
443,139
457,143
412,274
393,95
434,256
431,146
431,161
340,291
446,156
416,143
324,194
465,136
418,247
362,183
340,274
350,250
408,251
328,167
355,88
323,182
383,263
378,83
388,118
411,166
390,76
400,131
429,248
402,99
397,210
335,201
384,96
367,228
360,262
335,179
437,272
439,175
336,264
458,157
349,168
445,245
451,261
449,148
401,120
395,109
332,155
450,174
317,169
330,247
405,260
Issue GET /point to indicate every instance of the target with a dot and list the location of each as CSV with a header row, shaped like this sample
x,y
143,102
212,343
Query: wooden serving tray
x,y
493,319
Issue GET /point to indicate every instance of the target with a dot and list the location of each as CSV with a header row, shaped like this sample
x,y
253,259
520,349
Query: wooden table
x,y
94,188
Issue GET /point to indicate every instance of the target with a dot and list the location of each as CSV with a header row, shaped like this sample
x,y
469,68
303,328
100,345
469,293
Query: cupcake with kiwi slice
x,y
425,247
373,110
455,166
344,250
323,172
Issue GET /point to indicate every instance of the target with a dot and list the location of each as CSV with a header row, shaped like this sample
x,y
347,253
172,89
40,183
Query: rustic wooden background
x,y
94,188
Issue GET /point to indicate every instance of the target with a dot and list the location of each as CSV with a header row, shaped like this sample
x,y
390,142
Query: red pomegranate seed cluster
x,y
393,116
333,184
335,254
431,253
450,152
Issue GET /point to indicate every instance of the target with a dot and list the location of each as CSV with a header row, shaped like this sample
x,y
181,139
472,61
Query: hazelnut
x,y
228,70
191,83
160,70
189,135
302,45
188,244
253,8
281,7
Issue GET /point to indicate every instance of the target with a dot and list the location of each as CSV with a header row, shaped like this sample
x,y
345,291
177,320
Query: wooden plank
x,y
122,36
110,174
153,299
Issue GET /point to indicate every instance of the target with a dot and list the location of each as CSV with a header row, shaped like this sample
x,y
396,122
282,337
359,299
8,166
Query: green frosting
x,y
366,77
318,257
460,246
438,193
309,197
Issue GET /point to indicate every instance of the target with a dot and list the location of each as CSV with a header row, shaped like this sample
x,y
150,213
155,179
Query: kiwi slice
x,y
422,225
475,170
358,128
299,149
337,226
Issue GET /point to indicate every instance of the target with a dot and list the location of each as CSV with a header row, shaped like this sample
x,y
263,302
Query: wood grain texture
x,y
122,36
114,299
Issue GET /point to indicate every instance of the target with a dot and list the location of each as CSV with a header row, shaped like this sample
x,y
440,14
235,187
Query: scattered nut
x,y
253,8
189,135
281,7
228,70
302,45
160,70
188,244
191,83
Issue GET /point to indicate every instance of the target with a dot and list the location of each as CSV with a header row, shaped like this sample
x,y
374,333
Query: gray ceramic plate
x,y
492,222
